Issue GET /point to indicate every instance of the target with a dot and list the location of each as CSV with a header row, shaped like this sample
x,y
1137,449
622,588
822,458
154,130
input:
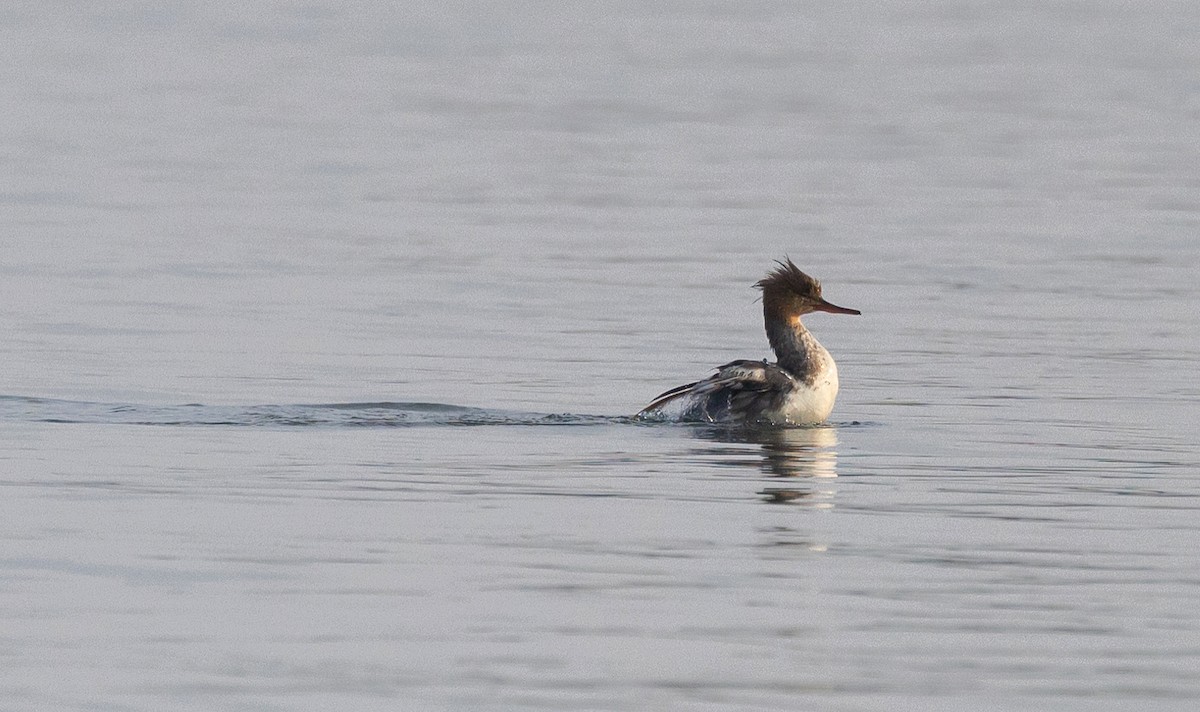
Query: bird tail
x,y
666,397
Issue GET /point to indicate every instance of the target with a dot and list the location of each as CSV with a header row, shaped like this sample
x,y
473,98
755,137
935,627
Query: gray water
x,y
323,324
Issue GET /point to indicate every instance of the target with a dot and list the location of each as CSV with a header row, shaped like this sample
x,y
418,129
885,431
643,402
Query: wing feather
x,y
742,389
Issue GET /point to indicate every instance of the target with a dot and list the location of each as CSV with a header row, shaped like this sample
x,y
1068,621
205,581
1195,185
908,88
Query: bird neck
x,y
796,349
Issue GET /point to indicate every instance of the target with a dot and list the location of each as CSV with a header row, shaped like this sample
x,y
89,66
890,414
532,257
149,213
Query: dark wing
x,y
739,390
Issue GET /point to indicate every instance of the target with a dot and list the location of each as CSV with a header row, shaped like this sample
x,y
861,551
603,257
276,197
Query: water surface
x,y
324,326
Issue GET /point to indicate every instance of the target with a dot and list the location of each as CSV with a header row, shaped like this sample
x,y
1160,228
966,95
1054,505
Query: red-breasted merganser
x,y
799,389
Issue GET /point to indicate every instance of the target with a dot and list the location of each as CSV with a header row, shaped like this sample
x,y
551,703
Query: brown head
x,y
789,294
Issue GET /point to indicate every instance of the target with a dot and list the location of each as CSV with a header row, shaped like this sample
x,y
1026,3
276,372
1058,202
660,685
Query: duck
x,y
798,388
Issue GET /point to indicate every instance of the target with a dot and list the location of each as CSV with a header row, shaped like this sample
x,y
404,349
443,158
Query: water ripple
x,y
372,414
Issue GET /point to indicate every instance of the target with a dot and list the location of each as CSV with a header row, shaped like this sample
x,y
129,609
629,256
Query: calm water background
x,y
321,322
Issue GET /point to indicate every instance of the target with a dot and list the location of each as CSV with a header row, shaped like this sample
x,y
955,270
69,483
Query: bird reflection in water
x,y
804,455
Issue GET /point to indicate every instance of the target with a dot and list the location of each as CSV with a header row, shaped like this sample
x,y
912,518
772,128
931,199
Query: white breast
x,y
808,405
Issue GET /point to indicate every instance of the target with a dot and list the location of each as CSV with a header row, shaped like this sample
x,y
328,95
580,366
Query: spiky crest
x,y
788,278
